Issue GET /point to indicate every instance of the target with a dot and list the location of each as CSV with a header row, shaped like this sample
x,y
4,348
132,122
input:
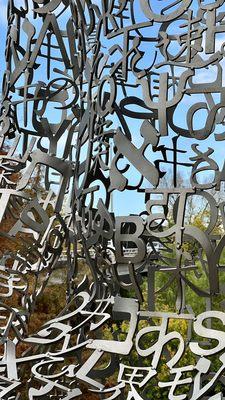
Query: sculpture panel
x,y
112,127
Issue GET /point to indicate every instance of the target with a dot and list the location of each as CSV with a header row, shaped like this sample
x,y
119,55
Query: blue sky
x,y
3,24
202,76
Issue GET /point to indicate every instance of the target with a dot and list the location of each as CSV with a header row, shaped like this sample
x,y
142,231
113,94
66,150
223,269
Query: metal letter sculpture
x,y
112,153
